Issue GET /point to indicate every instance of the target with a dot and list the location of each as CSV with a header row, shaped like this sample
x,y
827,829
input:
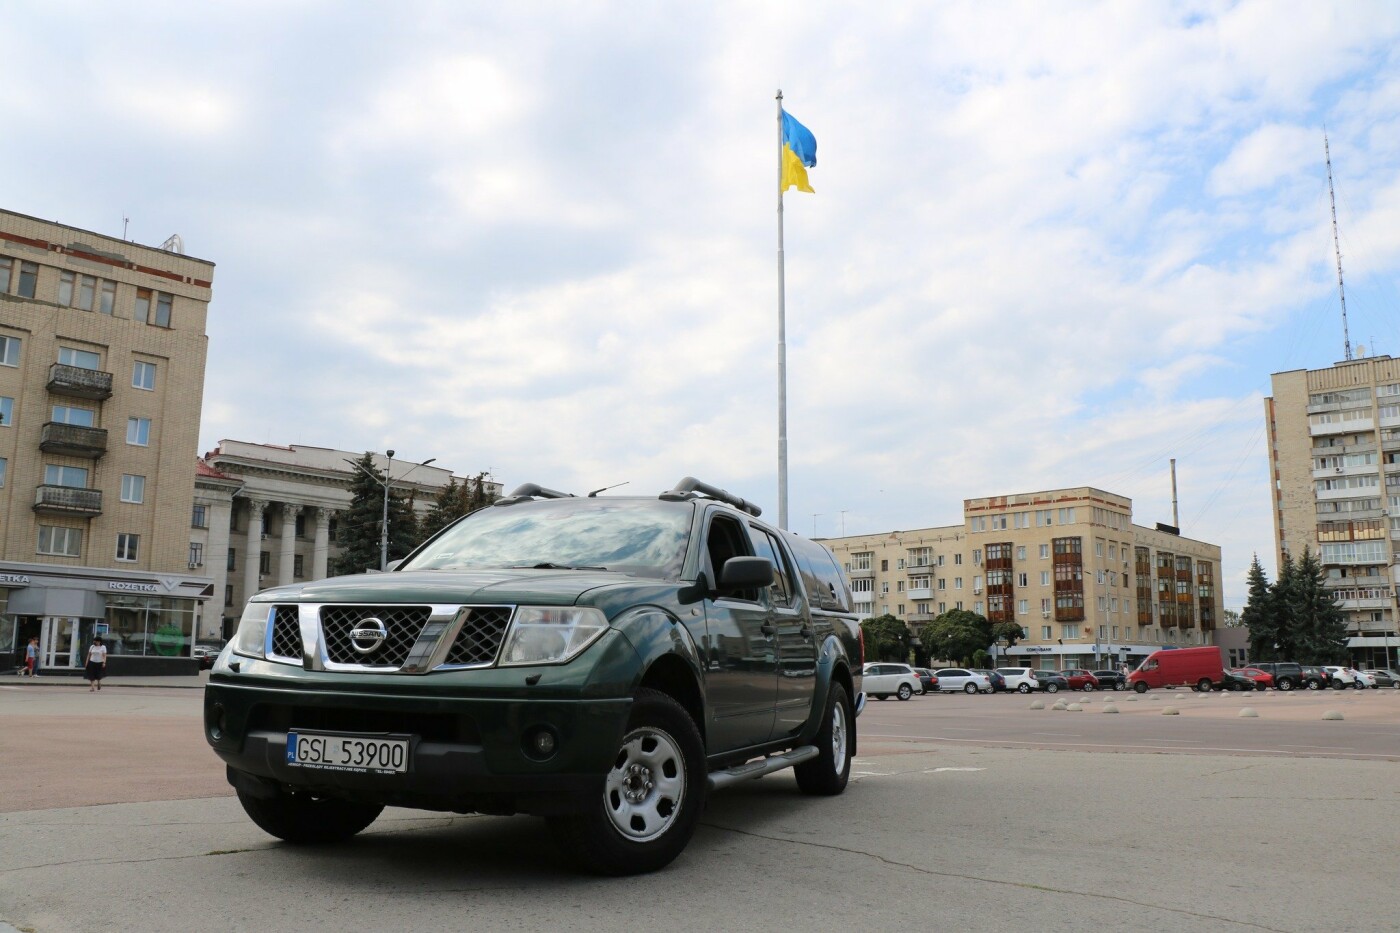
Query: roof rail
x,y
532,491
690,488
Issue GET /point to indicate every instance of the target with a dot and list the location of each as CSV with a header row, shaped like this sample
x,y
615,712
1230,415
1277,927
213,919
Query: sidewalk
x,y
76,680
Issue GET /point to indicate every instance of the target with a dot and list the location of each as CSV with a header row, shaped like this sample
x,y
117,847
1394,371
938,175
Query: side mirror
x,y
393,565
745,573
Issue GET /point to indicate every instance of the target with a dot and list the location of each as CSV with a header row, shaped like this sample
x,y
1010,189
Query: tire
x,y
1203,685
651,799
827,774
1088,688
1286,684
969,689
1119,686
1360,686
1140,687
1026,688
882,697
1233,687
304,819
905,692
1052,688
1338,685
1317,685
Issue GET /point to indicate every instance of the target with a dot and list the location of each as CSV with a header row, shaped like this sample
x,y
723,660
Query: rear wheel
x,y
1286,684
1203,685
1052,688
651,798
302,818
905,691
1338,685
828,773
970,688
1359,685
1088,688
1026,688
1120,685
1317,685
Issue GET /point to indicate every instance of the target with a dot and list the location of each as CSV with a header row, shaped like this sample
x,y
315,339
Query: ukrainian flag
x,y
799,154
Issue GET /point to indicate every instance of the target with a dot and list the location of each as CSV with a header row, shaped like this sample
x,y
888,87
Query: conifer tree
x,y
1320,631
450,505
358,527
1258,614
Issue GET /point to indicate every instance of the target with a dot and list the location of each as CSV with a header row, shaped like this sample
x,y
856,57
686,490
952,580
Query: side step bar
x,y
757,769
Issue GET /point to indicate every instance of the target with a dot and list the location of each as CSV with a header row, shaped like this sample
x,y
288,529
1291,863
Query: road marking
x,y
1330,748
1071,735
1121,747
937,770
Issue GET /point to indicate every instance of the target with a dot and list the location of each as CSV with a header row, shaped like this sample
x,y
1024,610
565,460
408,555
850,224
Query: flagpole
x,y
782,342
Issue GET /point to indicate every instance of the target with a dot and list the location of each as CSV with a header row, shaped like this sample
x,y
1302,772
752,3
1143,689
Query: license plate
x,y
365,753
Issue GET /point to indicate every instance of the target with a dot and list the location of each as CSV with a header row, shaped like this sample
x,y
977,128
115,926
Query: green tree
x,y
1232,619
1011,632
1258,615
449,505
957,635
477,493
358,528
1318,629
886,639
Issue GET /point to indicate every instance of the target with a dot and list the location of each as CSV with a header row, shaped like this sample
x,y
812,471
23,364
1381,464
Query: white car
x,y
952,679
883,679
1365,679
1343,677
1019,678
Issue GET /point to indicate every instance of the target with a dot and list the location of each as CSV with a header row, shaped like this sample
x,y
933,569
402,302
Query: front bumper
x,y
467,753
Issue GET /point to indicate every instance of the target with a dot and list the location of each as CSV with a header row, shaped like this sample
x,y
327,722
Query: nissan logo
x,y
368,635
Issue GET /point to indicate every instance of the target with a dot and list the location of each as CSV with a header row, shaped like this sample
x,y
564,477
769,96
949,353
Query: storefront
x,y
1068,657
147,621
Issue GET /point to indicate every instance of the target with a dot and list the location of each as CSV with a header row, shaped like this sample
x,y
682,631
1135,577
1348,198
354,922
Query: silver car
x,y
882,679
951,679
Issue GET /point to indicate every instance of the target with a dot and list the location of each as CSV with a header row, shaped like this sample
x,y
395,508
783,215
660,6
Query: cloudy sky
x,y
1050,244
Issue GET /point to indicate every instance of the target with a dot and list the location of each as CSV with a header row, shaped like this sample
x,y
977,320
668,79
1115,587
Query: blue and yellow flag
x,y
799,154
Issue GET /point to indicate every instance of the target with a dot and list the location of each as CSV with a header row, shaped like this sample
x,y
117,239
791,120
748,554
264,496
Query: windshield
x,y
637,536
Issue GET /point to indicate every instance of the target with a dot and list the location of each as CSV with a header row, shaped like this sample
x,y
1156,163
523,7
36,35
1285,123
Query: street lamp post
x,y
387,483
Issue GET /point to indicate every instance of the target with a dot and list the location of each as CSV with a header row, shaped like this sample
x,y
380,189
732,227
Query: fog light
x,y
216,722
541,743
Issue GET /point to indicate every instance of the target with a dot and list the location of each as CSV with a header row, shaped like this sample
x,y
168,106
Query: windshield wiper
x,y
549,565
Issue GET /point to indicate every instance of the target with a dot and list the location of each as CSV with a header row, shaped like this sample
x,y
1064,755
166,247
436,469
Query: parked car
x,y
1234,681
1315,677
1201,668
1386,677
1080,679
1365,679
952,679
884,679
1286,675
1051,681
1342,677
998,681
1111,680
926,680
206,655
1262,678
1021,679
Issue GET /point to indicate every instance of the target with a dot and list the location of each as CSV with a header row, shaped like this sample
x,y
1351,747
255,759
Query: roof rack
x,y
691,488
532,491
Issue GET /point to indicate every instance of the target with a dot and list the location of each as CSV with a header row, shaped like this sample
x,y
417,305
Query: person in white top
x,y
96,664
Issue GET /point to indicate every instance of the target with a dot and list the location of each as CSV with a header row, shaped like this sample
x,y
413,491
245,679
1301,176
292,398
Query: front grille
x,y
286,633
402,624
480,637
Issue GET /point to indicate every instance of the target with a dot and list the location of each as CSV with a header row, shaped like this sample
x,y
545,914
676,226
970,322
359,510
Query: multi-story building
x,y
1087,586
102,351
1334,450
265,515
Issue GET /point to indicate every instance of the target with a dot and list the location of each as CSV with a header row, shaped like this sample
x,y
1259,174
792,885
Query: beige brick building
x,y
1334,449
1088,587
102,352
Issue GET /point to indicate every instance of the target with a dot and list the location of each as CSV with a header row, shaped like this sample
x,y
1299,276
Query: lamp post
x,y
387,483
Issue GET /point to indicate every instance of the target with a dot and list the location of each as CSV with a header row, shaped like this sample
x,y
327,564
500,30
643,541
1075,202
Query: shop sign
x,y
132,587
1044,649
15,579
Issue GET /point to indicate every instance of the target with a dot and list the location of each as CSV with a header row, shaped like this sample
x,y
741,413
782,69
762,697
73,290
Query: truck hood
x,y
535,587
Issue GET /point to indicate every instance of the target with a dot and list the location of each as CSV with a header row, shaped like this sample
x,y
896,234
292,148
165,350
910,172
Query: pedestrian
x,y
96,664
31,658
1124,669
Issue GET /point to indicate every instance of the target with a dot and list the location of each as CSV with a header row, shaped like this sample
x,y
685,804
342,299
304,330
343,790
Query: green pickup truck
x,y
604,662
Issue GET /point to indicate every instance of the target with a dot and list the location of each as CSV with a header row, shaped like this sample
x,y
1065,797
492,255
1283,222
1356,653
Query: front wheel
x,y
1316,685
1052,688
651,798
1088,688
1026,688
1120,686
1338,685
970,689
905,692
1140,686
1285,684
302,818
827,774
1360,685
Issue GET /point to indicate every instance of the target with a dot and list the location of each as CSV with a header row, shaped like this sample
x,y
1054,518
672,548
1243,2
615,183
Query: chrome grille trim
x,y
284,635
422,637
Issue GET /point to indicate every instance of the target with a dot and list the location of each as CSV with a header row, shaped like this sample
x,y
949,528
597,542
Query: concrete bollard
x,y
1170,711
1248,713
1075,708
1179,696
1130,699
1333,714
1110,708
1060,704
1037,704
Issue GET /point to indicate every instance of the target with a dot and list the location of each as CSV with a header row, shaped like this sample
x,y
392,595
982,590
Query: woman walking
x,y
96,664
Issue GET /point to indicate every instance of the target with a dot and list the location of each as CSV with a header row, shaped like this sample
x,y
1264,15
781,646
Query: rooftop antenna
x,y
125,220
1336,243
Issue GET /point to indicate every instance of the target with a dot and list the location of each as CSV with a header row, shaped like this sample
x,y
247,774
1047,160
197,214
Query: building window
x,y
9,351
957,583
72,477
133,488
138,432
228,595
231,553
109,297
1070,631
884,566
957,560
1022,579
196,554
28,279
1023,606
126,546
884,586
7,408
4,465
942,608
264,562
301,526
143,375
83,359
1020,552
64,542
153,307
298,566
1045,578
1045,633
67,414
200,518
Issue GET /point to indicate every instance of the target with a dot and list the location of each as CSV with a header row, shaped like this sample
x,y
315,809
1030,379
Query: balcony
x,y
866,574
863,599
919,618
924,568
73,440
77,382
922,592
68,500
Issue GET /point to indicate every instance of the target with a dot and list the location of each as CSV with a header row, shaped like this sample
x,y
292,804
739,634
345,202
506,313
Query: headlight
x,y
548,635
251,636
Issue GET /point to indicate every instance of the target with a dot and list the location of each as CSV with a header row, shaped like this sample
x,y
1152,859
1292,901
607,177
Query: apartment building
x,y
1087,585
1334,450
265,515
102,352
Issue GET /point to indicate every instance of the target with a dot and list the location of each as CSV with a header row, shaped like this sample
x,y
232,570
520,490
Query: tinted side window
x,y
821,575
765,546
726,540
